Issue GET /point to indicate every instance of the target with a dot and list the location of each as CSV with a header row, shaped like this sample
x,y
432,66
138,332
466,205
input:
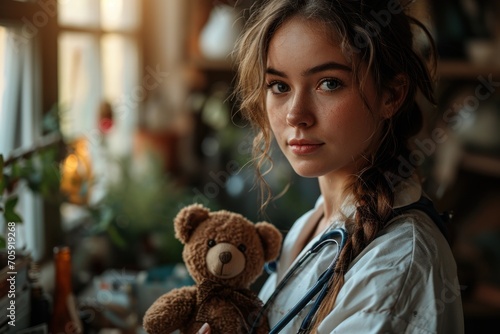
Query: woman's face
x,y
314,107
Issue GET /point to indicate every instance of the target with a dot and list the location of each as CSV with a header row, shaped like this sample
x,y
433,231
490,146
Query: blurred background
x,y
115,114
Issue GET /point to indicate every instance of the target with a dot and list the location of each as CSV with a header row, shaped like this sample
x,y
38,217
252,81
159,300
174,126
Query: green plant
x,y
38,170
139,206
36,167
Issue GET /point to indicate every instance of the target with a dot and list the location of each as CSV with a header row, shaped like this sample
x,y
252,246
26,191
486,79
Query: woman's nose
x,y
299,114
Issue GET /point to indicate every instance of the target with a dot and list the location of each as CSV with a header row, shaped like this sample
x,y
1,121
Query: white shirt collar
x,y
406,191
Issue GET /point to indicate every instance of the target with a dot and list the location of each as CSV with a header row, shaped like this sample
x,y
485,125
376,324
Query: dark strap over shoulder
x,y
441,219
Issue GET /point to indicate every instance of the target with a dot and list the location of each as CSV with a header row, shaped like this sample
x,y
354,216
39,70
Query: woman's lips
x,y
304,147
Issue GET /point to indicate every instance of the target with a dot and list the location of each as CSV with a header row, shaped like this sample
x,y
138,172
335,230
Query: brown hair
x,y
378,34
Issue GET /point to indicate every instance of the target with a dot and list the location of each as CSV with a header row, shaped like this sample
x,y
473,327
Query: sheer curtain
x,y
20,128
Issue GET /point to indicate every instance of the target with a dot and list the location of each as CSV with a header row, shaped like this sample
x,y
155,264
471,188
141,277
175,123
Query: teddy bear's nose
x,y
225,257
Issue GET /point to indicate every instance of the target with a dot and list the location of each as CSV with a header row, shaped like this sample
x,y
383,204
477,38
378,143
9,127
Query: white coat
x,y
405,281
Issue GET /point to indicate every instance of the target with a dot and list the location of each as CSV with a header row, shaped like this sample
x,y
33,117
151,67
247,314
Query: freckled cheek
x,y
352,120
277,124
337,116
272,105
276,114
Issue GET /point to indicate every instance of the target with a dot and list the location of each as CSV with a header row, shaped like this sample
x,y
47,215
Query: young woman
x,y
335,83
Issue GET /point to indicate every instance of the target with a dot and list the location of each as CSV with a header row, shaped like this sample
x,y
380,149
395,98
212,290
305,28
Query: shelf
x,y
484,164
462,69
203,64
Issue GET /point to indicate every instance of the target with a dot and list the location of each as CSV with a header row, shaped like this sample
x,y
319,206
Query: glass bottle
x,y
65,317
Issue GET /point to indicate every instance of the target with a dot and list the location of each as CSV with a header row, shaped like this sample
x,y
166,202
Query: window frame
x,y
16,13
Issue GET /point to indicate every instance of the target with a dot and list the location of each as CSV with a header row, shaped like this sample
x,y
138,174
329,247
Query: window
x,y
20,118
98,67
87,57
98,63
3,46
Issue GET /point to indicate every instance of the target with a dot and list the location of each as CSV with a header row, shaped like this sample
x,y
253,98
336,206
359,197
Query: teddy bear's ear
x,y
188,219
271,240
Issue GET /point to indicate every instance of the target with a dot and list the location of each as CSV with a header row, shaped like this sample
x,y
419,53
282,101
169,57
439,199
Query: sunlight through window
x,y
3,47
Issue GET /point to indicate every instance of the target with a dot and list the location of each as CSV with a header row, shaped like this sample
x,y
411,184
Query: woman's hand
x,y
205,329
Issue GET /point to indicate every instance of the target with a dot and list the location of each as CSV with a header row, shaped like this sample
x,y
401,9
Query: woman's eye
x,y
278,87
330,84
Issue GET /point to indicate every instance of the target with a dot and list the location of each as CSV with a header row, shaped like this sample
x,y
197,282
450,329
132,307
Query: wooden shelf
x,y
483,164
463,69
223,65
485,301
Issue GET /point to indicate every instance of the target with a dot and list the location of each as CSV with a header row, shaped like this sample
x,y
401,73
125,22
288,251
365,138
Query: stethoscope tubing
x,y
321,286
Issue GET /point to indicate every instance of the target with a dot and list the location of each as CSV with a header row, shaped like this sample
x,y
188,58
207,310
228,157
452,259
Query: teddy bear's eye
x,y
211,243
242,248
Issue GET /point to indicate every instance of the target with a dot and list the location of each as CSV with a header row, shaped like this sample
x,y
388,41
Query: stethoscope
x,y
336,236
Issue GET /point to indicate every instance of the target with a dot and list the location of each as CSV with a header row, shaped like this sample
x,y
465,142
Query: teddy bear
x,y
224,253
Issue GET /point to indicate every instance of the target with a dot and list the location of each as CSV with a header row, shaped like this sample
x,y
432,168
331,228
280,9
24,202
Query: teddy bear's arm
x,y
170,311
